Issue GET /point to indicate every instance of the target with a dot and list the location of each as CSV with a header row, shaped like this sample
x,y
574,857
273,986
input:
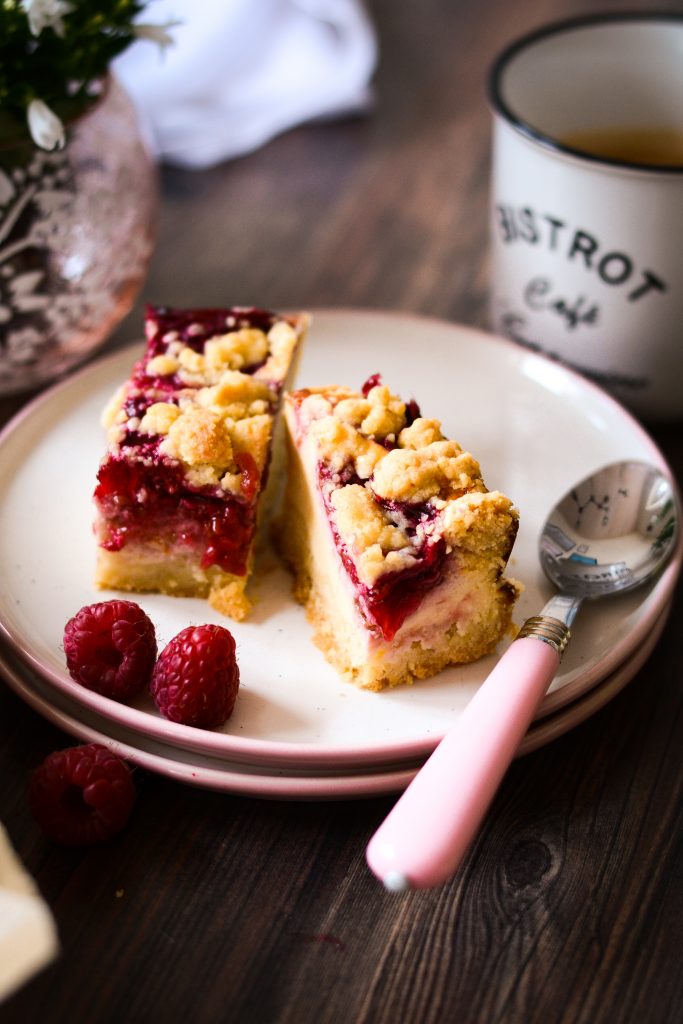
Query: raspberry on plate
x,y
196,678
81,795
111,648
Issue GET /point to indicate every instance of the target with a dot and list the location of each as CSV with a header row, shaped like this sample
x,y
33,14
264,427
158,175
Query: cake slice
x,y
190,439
397,547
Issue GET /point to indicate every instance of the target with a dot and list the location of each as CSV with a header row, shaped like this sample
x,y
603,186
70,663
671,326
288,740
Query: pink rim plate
x,y
198,772
274,753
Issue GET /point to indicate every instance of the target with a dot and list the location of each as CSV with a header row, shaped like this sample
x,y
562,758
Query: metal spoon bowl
x,y
611,532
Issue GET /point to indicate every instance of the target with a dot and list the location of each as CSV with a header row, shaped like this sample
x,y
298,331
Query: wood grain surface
x,y
214,908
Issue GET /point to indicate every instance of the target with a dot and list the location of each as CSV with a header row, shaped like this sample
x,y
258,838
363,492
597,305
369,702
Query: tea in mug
x,y
587,243
660,147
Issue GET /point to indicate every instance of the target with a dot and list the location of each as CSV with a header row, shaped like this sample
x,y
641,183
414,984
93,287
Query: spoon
x,y
612,532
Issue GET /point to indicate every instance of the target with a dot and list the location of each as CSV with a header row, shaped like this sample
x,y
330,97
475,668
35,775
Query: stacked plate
x,y
298,731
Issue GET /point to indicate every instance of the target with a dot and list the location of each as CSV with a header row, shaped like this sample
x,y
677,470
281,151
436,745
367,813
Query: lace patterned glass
x,y
76,235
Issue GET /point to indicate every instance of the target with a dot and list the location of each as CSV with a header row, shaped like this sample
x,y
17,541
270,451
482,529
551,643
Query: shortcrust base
x,y
146,570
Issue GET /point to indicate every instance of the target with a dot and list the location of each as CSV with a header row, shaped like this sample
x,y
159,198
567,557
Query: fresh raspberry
x,y
81,795
111,648
196,678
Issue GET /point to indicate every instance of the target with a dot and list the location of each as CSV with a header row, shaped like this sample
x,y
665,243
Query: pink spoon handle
x,y
423,839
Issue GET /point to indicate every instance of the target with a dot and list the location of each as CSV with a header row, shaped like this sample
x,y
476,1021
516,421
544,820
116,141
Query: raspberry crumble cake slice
x,y
190,439
397,547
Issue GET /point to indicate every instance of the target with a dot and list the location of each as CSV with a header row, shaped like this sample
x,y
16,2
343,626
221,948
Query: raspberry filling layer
x,y
394,596
194,327
147,503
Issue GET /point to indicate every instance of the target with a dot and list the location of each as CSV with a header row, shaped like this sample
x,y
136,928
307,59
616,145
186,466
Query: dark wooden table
x,y
212,907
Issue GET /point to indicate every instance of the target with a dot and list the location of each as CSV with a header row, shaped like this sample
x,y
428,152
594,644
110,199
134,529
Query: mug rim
x,y
500,107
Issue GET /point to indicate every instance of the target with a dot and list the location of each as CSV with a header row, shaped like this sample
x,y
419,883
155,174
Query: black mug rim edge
x,y
500,107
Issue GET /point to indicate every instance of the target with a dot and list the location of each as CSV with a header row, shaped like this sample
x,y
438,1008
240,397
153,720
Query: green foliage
x,y
60,70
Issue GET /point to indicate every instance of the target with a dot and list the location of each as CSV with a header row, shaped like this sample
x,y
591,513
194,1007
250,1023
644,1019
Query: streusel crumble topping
x,y
203,399
397,491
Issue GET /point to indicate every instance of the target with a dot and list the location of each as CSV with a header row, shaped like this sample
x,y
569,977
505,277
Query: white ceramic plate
x,y
535,427
351,782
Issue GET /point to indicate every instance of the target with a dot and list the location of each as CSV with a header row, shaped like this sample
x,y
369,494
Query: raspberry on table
x,y
111,648
196,679
81,795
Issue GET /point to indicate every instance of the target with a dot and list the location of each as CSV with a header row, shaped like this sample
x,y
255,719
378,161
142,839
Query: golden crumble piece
x,y
340,445
162,365
440,469
480,522
252,434
314,407
236,349
234,389
191,361
368,533
203,475
159,418
282,341
374,562
227,354
240,410
420,433
367,458
378,415
352,410
231,481
386,414
199,437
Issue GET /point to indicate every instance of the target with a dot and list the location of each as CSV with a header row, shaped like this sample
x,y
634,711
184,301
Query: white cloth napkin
x,y
241,71
28,937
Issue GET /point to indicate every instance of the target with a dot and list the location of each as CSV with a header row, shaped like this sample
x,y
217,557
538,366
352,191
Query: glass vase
x,y
76,235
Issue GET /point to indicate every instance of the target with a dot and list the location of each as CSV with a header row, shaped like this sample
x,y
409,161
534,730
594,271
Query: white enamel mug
x,y
587,250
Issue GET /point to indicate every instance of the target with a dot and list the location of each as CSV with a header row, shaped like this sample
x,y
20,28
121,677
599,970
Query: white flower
x,y
156,33
45,127
46,14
